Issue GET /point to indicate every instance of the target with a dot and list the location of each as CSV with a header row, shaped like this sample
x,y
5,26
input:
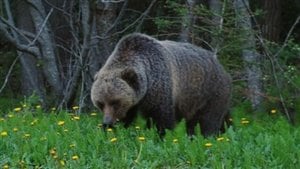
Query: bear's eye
x,y
114,103
100,105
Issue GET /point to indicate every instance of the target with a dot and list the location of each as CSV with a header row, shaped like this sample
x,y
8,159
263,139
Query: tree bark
x,y
32,81
271,25
47,49
250,56
216,7
187,22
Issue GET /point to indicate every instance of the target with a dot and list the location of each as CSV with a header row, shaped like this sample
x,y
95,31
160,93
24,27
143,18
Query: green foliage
x,y
31,138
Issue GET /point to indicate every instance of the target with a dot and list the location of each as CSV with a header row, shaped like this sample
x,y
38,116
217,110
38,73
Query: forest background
x,y
51,49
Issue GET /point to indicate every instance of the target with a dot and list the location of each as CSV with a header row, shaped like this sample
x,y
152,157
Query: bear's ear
x,y
131,77
95,76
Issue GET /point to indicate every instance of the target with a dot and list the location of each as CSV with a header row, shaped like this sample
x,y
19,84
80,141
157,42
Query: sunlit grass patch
x,y
58,140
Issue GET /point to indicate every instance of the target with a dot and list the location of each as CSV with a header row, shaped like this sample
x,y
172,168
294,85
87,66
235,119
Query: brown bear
x,y
166,81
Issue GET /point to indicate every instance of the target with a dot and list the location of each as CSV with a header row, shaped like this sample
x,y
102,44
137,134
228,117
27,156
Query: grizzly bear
x,y
166,81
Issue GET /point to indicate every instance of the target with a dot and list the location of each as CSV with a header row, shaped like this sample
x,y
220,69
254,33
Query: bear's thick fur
x,y
166,81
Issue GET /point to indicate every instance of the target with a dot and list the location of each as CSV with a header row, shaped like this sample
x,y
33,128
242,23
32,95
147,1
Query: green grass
x,y
47,140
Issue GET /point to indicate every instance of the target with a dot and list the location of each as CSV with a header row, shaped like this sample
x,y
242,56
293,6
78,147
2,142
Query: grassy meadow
x,y
31,138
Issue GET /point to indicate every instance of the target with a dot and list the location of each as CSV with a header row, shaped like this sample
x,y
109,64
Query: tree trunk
x,y
216,7
250,56
271,25
32,81
187,22
47,49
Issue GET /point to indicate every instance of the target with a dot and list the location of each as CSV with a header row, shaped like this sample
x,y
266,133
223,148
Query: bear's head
x,y
115,92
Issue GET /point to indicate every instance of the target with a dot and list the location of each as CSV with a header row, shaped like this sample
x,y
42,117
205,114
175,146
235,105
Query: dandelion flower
x,y
43,138
109,129
60,123
24,105
137,127
113,140
34,122
15,129
6,166
273,111
17,109
10,115
72,145
141,138
66,130
62,162
26,135
208,144
245,122
175,140
53,108
220,138
52,151
75,157
93,114
243,118
76,118
2,119
75,107
4,133
38,106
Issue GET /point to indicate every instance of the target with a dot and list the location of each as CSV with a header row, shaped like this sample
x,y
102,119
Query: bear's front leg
x,y
164,118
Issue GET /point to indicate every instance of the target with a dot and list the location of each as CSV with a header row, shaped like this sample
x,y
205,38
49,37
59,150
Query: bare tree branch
x,y
8,74
288,36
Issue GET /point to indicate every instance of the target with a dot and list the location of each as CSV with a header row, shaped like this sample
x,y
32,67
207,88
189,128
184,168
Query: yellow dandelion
x,y
34,122
75,107
4,133
6,166
24,105
220,138
75,157
15,129
61,123
62,162
245,122
52,151
141,138
66,130
76,118
55,156
53,109
17,109
26,135
38,106
93,114
99,125
208,144
175,140
72,145
43,138
137,127
273,111
113,140
10,115
2,119
109,129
